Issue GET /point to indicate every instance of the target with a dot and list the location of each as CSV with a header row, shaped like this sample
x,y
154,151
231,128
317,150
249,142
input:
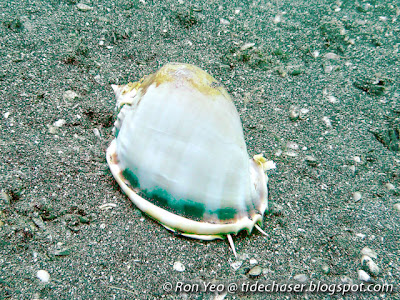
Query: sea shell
x,y
180,156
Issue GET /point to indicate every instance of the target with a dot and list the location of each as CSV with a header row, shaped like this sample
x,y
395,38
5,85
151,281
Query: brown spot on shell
x,y
114,158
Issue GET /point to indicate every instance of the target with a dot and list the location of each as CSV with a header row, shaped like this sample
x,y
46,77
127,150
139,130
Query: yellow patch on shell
x,y
131,86
198,79
263,162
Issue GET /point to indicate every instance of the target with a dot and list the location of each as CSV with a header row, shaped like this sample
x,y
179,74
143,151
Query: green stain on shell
x,y
132,178
183,207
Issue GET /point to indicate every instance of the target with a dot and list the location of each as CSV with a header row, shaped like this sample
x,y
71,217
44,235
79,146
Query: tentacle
x,y
231,244
260,230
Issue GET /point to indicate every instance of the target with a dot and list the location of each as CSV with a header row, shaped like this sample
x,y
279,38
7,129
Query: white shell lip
x,y
173,222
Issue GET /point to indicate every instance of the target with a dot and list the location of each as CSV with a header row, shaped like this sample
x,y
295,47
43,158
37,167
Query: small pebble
x,y
255,271
361,235
269,165
70,95
253,261
37,220
247,46
5,198
43,275
96,132
6,115
292,145
303,113
332,99
315,53
282,72
325,269
294,113
389,186
397,207
178,266
107,206
363,276
331,55
370,266
369,252
59,123
277,19
311,160
301,278
357,159
236,265
224,21
327,122
357,196
61,252
83,7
